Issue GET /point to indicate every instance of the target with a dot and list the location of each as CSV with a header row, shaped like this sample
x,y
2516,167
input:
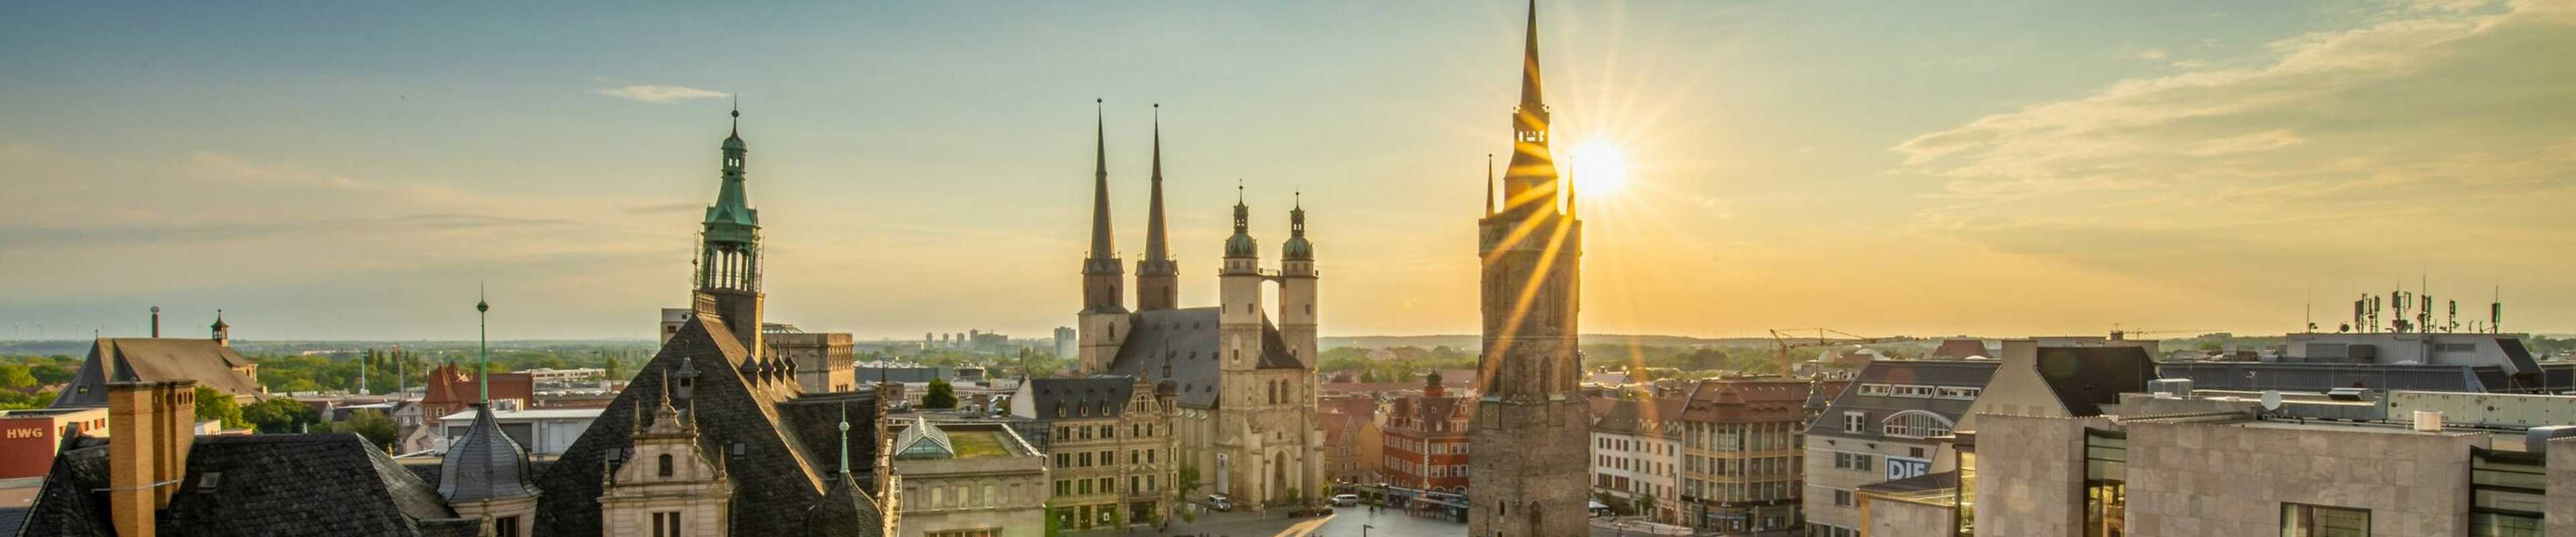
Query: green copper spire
x,y
1241,244
482,347
729,242
845,439
733,205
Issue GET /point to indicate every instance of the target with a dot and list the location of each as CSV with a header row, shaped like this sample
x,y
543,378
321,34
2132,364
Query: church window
x,y
664,468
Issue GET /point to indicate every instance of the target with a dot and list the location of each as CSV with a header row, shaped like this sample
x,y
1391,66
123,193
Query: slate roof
x,y
1648,418
815,421
781,471
485,464
157,360
1188,338
1093,397
11,518
73,500
1960,373
843,512
300,484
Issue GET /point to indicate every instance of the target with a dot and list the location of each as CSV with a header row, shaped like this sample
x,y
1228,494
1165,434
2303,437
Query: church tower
x,y
1297,287
1528,402
729,251
1239,315
1158,278
1104,315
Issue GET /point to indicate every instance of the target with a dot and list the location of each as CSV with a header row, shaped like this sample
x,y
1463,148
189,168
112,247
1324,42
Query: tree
x,y
278,415
14,376
616,369
214,404
940,396
369,424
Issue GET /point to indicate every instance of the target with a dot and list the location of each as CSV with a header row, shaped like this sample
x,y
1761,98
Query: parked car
x,y
1219,502
1346,500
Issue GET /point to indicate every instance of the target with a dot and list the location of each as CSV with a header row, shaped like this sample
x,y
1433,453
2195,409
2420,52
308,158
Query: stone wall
x,y
1893,518
2562,487
2231,478
2030,476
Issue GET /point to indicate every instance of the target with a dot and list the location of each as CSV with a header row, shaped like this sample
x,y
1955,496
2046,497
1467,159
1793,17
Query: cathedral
x,y
1528,477
1244,373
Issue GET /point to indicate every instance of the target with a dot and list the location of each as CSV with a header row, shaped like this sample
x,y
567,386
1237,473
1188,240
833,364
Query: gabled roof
x,y
157,360
1187,337
1877,408
923,441
779,474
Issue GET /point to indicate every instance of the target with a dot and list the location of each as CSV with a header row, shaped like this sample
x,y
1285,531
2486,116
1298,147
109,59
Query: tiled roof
x,y
779,473
156,360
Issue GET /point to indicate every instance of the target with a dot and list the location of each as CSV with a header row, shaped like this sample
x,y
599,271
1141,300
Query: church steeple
x,y
728,279
1241,244
1531,180
1297,248
1100,272
1157,276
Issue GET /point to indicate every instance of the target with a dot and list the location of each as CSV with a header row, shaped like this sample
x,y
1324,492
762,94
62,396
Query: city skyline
x,y
356,181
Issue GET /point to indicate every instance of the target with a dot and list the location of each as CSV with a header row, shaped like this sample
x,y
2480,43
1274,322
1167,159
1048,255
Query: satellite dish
x,y
2271,400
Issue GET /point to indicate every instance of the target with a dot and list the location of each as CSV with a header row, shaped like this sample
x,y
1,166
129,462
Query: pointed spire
x,y
737,117
1156,248
1489,184
1101,247
1530,93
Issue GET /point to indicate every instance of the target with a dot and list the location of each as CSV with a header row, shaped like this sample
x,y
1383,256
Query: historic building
x,y
1426,440
1636,457
969,478
1111,442
1529,479
1244,374
1741,456
211,362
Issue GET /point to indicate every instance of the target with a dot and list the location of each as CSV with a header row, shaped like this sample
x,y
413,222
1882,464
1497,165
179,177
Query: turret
x,y
1297,293
223,333
728,282
1239,282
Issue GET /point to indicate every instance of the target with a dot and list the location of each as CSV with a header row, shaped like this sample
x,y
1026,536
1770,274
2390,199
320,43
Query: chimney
x,y
147,449
156,321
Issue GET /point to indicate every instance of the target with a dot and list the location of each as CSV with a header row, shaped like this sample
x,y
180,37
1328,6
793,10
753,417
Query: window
x,y
2106,489
1063,487
666,524
2508,492
1965,394
664,469
507,526
1904,390
1916,424
1874,389
2303,520
1063,460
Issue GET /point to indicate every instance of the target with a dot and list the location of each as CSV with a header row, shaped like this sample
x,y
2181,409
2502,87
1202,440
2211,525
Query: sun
x,y
1599,168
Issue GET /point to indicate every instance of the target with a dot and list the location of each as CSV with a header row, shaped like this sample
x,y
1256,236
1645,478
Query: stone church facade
x,y
1243,372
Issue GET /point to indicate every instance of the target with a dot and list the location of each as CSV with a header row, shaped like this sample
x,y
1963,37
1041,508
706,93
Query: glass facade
x,y
2106,483
2303,520
2507,493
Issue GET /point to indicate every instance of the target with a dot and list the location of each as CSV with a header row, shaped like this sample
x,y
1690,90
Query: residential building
x,y
1426,444
1111,445
1740,444
1636,458
1345,418
450,389
969,478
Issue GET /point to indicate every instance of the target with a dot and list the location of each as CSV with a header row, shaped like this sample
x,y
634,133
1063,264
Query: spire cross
x,y
845,438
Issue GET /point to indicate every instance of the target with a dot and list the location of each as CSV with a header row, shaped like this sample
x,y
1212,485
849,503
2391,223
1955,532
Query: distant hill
x,y
1469,341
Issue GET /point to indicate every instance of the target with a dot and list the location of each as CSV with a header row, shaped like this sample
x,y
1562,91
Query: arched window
x,y
664,469
1915,424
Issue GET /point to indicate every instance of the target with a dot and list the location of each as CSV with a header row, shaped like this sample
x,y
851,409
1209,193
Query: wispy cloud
x,y
660,94
2152,54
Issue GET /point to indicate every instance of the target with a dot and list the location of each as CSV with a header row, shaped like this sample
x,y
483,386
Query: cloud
x,y
660,94
2430,124
2153,55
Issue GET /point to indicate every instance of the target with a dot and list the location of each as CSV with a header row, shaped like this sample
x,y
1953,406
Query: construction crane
x,y
1787,340
2118,334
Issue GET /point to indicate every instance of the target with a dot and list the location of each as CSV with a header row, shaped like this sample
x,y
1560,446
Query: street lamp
x,y
1364,529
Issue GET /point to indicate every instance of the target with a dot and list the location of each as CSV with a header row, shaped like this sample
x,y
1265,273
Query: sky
x,y
330,170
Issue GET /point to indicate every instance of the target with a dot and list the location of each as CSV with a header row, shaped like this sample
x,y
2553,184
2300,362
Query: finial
x,y
1238,191
845,438
737,115
1297,199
